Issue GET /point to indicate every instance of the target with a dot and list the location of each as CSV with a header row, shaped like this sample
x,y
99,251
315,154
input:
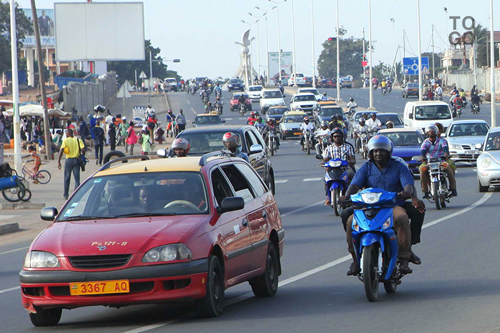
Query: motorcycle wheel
x,y
308,149
391,286
370,277
335,201
271,148
435,195
12,194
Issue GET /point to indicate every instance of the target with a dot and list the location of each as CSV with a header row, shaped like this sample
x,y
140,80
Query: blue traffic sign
x,y
410,65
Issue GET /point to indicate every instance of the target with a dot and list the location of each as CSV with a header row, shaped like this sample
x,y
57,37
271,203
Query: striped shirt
x,y
342,152
434,150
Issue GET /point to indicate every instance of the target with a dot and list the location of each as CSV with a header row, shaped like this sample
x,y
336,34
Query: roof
x,y
399,130
388,113
327,103
303,94
427,103
207,115
156,165
469,121
256,85
295,113
216,128
494,130
271,89
331,106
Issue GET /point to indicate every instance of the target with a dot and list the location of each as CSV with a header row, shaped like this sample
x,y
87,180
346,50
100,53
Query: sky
x,y
201,33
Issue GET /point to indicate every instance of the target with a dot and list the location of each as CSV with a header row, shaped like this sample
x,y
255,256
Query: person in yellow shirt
x,y
73,148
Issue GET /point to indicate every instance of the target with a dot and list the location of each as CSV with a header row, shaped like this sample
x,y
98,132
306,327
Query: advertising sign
x,y
286,65
47,28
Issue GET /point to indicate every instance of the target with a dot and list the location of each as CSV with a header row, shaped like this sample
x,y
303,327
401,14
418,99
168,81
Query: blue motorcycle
x,y
375,241
336,181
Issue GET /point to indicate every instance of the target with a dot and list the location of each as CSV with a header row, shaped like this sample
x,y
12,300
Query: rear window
x,y
234,81
412,85
304,98
237,96
202,143
274,111
255,88
405,138
331,111
294,119
311,91
272,94
477,129
384,118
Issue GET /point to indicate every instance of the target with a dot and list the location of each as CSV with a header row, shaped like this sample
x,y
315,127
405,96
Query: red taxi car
x,y
233,103
155,231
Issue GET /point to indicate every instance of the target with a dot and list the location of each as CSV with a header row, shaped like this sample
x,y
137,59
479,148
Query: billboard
x,y
286,65
93,31
46,25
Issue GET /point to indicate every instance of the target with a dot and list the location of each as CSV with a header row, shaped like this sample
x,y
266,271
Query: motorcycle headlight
x,y
335,164
371,198
40,259
168,253
453,146
486,162
387,224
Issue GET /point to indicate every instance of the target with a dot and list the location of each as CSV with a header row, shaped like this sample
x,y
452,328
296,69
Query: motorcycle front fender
x,y
372,238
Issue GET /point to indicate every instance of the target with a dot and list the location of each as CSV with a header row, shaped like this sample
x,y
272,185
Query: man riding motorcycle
x,y
384,172
351,106
218,90
260,125
389,124
252,119
324,133
324,97
435,147
242,101
232,142
218,104
271,128
373,124
306,126
341,150
208,107
358,130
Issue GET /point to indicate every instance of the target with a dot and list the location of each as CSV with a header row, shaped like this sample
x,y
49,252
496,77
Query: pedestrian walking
x,y
131,138
99,137
181,121
73,148
123,130
112,134
145,142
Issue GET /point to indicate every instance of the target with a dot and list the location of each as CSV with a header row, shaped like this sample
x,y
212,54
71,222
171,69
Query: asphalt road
x,y
456,289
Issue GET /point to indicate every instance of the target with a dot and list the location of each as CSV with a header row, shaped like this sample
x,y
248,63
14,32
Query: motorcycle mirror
x,y
319,156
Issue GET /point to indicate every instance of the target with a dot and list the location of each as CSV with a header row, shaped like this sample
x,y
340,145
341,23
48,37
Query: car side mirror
x,y
48,213
231,204
255,149
162,153
410,115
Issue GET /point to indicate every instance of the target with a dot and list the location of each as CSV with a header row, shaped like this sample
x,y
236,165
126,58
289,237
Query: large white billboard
x,y
286,65
93,31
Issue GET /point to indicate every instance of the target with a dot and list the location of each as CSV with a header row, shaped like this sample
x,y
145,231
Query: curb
x,y
9,227
22,205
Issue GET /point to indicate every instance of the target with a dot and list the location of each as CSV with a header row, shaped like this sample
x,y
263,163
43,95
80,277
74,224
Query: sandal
x,y
414,259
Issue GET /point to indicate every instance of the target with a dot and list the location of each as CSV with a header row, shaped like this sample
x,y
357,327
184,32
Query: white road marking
x,y
311,179
228,118
150,327
187,100
7,217
194,111
475,170
280,181
15,250
10,289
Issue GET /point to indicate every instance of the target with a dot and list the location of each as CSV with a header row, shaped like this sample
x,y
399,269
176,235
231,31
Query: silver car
x,y
463,136
488,163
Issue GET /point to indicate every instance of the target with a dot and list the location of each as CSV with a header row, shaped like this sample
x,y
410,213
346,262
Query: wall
x,y
466,81
85,96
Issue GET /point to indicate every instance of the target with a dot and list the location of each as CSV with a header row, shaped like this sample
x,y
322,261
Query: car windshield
x,y
432,112
412,86
205,142
235,81
493,141
472,129
237,96
405,138
331,111
137,194
384,118
170,80
275,111
294,119
272,94
258,88
208,120
304,98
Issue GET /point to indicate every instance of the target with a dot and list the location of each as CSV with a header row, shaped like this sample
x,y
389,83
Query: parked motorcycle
x,y
335,181
440,193
375,241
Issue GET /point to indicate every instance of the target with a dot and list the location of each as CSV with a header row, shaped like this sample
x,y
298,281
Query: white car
x,y
301,80
255,93
271,97
170,84
304,102
463,136
313,91
488,163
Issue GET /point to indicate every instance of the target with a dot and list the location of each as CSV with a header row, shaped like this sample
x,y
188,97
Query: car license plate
x,y
99,287
470,152
297,133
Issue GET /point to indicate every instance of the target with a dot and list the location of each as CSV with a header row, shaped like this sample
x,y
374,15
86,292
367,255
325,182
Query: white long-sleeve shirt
x,y
373,124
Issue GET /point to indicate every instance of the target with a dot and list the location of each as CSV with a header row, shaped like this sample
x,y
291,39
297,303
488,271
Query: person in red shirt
x,y
252,119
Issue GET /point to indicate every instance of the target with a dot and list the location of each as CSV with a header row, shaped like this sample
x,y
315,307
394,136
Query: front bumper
x,y
489,177
148,284
463,155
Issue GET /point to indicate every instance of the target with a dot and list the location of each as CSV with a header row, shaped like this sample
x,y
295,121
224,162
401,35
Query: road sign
x,y
364,63
410,65
142,75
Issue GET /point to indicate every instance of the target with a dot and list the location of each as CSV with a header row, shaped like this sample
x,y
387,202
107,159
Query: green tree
x,y
126,69
351,55
482,37
23,26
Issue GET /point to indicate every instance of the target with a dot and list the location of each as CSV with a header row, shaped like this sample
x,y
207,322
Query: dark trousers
x,y
72,165
112,141
98,152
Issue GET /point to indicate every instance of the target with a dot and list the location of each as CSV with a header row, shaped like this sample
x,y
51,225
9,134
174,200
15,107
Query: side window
x,y
254,180
248,140
220,186
239,182
257,138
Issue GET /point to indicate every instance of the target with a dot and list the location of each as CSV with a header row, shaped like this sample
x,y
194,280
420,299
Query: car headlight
x,y
168,253
387,224
40,259
371,198
453,146
486,162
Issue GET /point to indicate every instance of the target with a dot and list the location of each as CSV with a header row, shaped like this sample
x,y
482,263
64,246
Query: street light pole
x,y
395,50
15,88
150,76
492,67
313,55
294,66
267,43
364,59
370,52
338,53
419,54
279,39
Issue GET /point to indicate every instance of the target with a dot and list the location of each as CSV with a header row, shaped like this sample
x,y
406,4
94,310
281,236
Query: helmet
x,y
379,142
324,123
252,113
431,128
270,120
169,111
364,115
334,117
337,130
361,120
181,143
389,123
351,99
324,94
259,119
124,118
306,119
230,140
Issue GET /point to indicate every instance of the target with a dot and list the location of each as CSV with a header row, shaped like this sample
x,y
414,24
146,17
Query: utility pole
x,y
338,53
404,54
15,88
492,67
419,54
364,52
432,41
313,55
370,52
41,80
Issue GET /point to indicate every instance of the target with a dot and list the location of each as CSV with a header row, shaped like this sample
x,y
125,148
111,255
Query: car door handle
x,y
264,214
244,223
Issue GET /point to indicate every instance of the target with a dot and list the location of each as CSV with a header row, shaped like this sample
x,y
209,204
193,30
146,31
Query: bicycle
x,y
42,176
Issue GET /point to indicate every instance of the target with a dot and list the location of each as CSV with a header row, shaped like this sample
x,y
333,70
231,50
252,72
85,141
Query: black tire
x,y
46,317
482,188
27,195
336,206
391,286
12,194
435,195
272,151
212,304
266,285
113,153
370,277
271,185
43,176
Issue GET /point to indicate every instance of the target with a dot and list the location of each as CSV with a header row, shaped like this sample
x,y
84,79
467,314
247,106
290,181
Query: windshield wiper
x,y
84,217
146,214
